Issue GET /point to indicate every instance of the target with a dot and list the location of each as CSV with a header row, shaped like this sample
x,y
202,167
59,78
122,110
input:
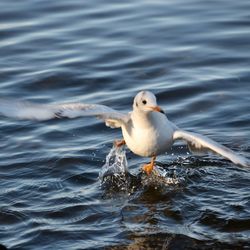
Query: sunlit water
x,y
63,185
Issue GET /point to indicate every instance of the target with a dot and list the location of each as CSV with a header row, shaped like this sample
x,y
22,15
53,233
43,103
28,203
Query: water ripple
x,y
194,55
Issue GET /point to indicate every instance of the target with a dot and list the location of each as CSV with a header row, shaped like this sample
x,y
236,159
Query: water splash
x,y
163,176
114,175
115,164
116,179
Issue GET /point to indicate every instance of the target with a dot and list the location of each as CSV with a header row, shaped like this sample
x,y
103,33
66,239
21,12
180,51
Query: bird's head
x,y
146,101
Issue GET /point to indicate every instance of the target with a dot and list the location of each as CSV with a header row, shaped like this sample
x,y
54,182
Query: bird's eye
x,y
144,102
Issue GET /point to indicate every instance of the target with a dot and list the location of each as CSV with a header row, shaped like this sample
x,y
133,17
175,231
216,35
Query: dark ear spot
x,y
136,104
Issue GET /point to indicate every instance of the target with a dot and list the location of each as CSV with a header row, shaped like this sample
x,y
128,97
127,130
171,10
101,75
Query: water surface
x,y
194,55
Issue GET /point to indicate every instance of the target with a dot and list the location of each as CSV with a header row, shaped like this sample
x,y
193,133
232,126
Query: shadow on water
x,y
166,241
2,247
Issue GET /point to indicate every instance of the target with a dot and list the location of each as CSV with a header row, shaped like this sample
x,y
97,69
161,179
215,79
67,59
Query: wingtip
x,y
243,162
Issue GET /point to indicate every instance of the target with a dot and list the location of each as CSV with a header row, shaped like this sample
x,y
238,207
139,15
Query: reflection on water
x,y
193,55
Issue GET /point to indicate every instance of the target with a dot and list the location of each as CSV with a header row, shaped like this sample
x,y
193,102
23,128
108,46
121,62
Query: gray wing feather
x,y
200,142
32,111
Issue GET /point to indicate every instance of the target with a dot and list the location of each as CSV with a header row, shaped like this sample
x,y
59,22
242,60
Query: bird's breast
x,y
149,141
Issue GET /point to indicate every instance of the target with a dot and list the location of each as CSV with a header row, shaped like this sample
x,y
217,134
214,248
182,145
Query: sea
x,y
62,183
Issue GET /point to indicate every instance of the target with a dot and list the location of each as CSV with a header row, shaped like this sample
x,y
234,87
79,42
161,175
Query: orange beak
x,y
157,109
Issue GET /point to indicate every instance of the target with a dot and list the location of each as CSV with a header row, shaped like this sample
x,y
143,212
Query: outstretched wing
x,y
32,111
200,142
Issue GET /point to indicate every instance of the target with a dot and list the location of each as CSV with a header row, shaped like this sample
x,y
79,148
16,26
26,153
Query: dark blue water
x,y
194,55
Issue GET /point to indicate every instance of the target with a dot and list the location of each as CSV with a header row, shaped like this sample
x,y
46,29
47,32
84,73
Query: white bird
x,y
146,130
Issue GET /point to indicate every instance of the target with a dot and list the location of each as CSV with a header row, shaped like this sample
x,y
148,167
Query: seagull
x,y
146,129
